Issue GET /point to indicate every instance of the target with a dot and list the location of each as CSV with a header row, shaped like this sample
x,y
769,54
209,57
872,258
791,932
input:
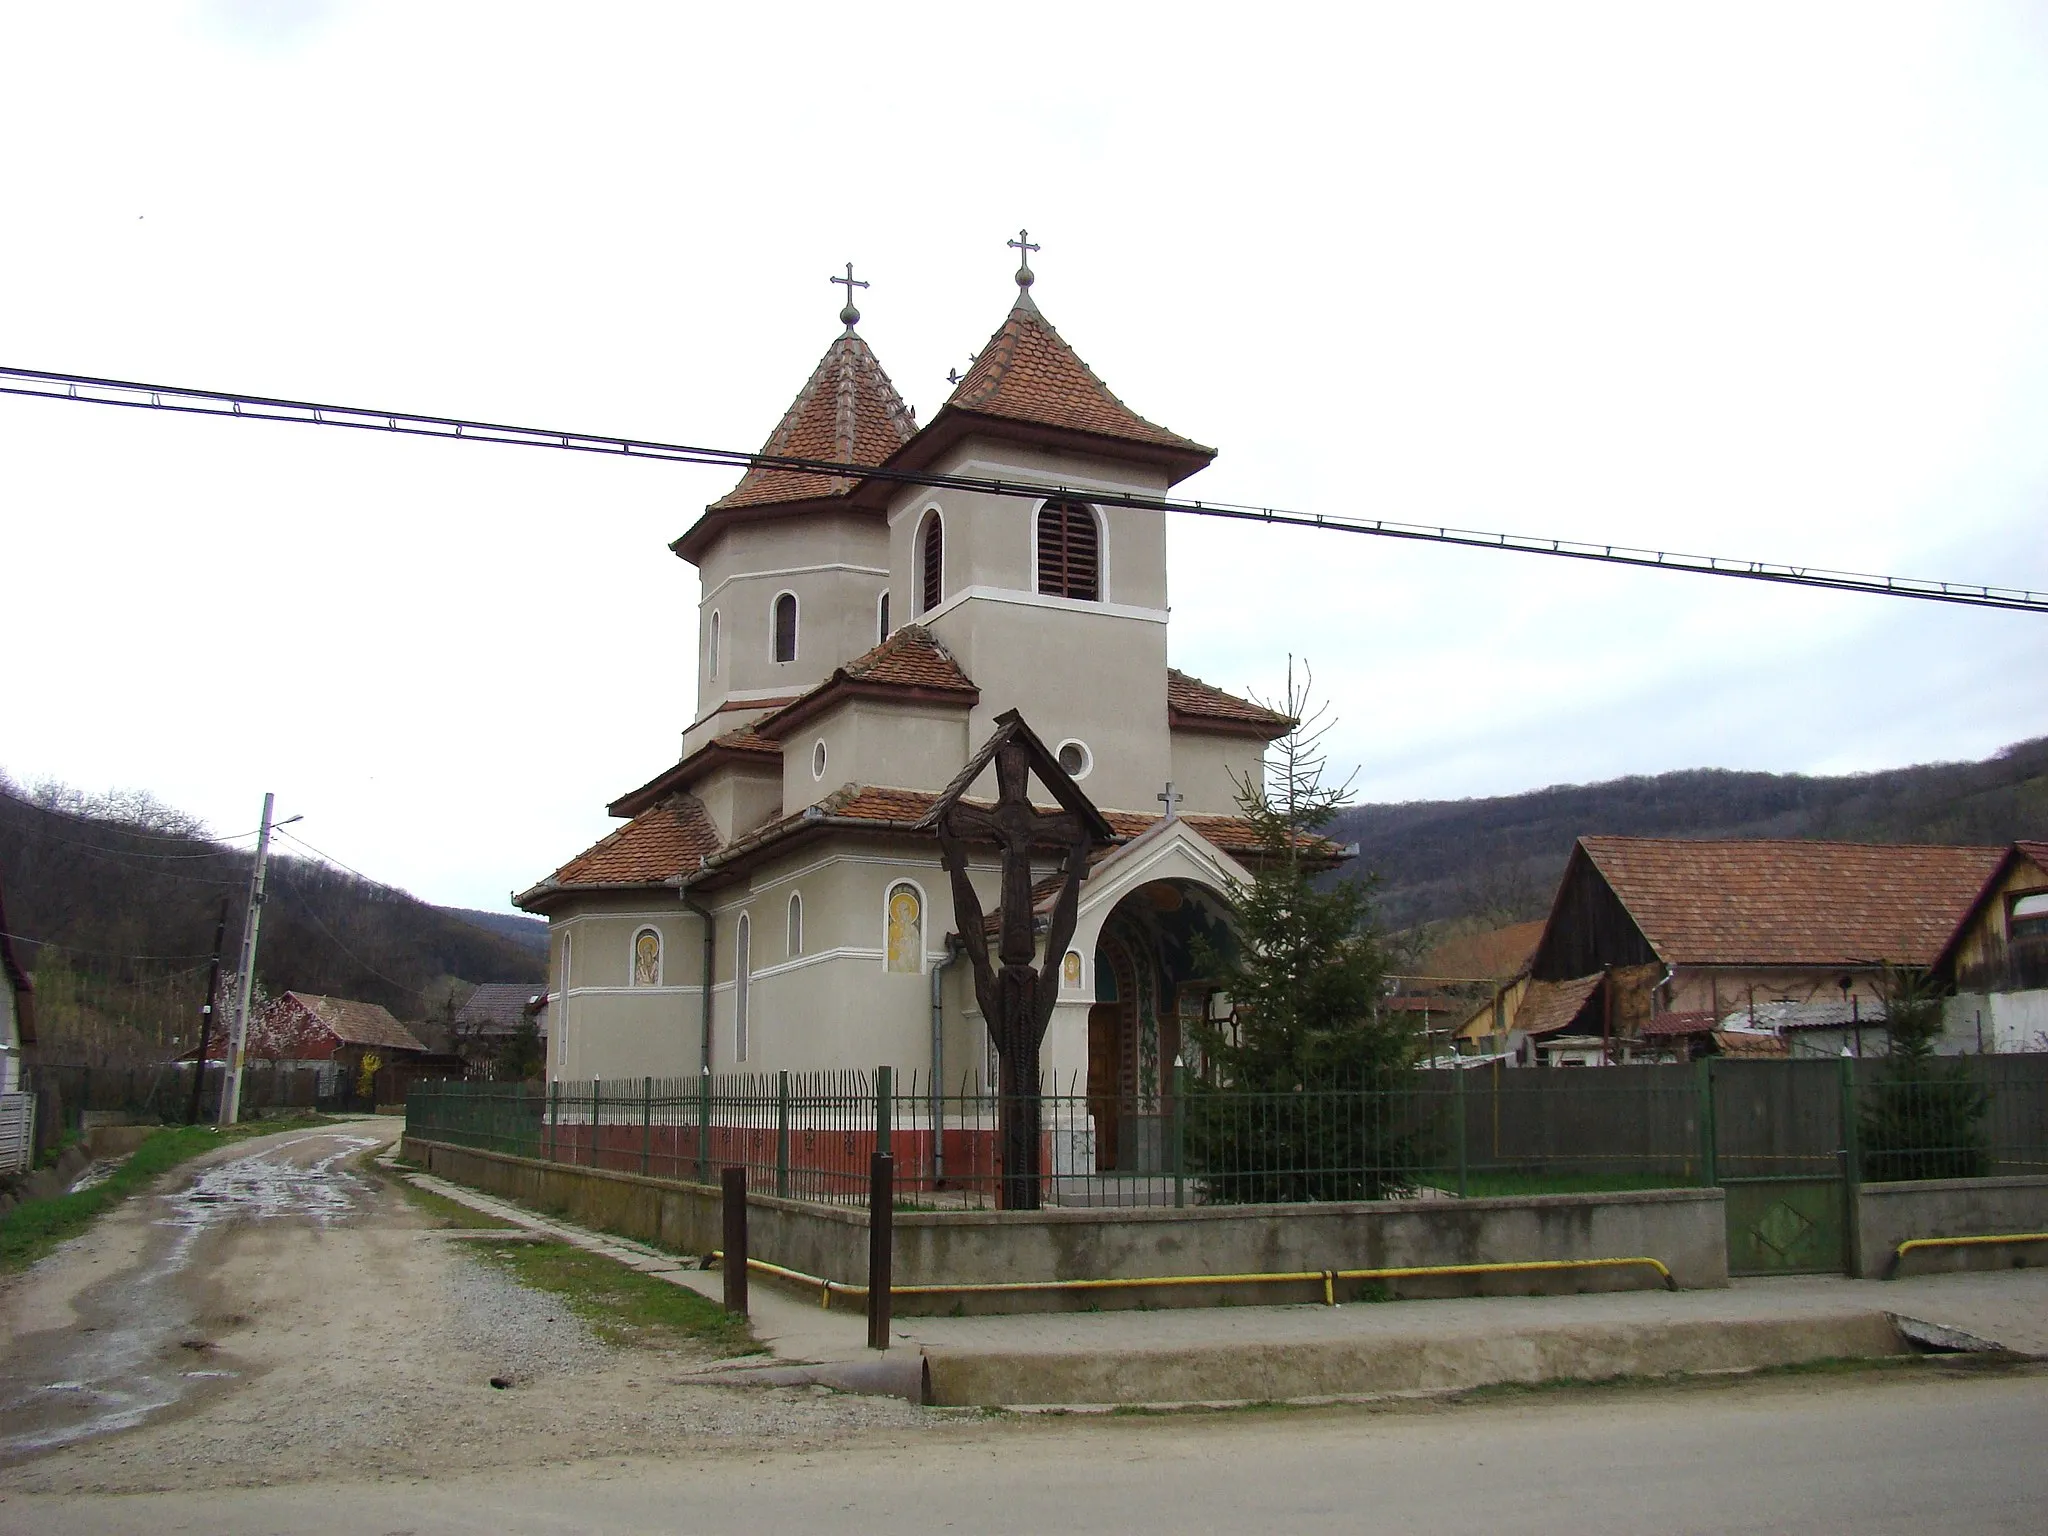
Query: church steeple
x,y
1027,374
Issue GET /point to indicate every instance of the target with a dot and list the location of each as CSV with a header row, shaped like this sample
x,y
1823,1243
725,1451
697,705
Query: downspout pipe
x,y
954,950
703,913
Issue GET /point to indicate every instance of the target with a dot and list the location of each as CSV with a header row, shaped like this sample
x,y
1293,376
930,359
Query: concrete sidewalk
x,y
1237,1354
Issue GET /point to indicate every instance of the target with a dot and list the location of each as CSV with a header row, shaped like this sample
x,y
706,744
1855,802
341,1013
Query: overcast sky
x,y
1762,281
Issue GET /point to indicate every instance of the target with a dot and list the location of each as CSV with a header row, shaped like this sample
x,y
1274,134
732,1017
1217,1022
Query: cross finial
x,y
1171,800
1023,247
849,316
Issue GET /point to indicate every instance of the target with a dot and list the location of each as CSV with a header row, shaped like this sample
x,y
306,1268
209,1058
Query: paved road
x,y
1865,1453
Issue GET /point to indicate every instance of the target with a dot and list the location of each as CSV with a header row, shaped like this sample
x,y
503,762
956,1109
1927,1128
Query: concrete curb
x,y
1384,1367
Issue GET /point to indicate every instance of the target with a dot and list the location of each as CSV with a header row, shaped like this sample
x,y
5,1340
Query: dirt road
x,y
281,1313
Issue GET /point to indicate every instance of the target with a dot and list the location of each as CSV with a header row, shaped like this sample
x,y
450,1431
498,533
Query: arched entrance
x,y
1149,988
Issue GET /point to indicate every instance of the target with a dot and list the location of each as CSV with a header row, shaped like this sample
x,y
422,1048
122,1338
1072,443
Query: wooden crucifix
x,y
1016,997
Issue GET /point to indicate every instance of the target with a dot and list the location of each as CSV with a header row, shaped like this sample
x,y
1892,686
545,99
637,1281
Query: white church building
x,y
769,903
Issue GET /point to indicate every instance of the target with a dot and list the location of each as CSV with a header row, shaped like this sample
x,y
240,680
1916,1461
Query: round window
x,y
818,761
1075,757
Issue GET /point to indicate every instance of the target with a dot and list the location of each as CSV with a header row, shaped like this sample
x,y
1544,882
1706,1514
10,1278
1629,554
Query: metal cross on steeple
x,y
849,316
1023,247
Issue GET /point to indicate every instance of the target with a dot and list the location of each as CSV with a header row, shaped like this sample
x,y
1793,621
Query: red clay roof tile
x,y
1027,372
658,845
847,412
1549,1006
1743,902
1193,704
911,659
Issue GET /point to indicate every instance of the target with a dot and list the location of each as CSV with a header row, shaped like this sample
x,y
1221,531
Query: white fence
x,y
17,1131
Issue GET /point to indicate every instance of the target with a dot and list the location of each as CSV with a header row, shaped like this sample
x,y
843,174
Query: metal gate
x,y
1780,1156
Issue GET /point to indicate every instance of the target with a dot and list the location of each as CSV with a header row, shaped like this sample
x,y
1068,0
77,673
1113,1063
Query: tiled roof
x,y
1028,373
1194,704
657,845
1742,1043
741,742
848,412
1549,1006
910,660
1699,1023
1494,955
1728,902
497,1007
355,1023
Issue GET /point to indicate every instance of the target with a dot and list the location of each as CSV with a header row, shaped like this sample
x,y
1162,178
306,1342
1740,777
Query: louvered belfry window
x,y
1069,552
934,561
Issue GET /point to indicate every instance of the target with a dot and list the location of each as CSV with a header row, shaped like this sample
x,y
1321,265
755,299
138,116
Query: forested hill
x,y
1499,859
113,901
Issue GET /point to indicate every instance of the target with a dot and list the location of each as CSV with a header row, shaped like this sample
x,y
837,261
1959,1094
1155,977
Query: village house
x,y
1997,960
17,1013
771,901
1660,948
490,1019
334,1038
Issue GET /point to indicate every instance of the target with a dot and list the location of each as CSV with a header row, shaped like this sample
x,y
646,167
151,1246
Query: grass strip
x,y
34,1227
450,1213
622,1305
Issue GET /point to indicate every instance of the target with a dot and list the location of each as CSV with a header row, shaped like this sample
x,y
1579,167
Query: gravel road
x,y
339,1333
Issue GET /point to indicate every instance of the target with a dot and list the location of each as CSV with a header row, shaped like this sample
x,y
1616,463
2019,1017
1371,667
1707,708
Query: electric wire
x,y
160,397
108,954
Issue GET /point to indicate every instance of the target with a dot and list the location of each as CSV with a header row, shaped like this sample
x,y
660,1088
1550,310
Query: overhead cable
x,y
203,402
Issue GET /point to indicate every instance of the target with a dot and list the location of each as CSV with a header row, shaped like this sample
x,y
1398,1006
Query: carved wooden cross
x,y
1017,998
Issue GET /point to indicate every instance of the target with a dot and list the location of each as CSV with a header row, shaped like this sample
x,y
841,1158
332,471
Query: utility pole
x,y
220,938
245,979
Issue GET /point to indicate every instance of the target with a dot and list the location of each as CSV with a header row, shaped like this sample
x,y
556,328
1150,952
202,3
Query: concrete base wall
x,y
1683,1228
1890,1214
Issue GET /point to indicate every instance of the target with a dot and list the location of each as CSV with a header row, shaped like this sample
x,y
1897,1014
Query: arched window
x,y
932,551
785,627
711,647
796,924
904,922
1069,551
647,958
882,620
742,980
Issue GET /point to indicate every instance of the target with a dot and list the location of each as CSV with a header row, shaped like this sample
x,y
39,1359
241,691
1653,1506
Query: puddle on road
x,y
114,1374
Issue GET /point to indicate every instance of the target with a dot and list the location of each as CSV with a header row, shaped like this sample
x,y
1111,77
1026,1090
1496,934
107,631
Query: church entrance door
x,y
1105,1054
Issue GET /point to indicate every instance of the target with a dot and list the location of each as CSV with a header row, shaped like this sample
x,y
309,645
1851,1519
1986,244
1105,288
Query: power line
x,y
202,402
330,858
105,954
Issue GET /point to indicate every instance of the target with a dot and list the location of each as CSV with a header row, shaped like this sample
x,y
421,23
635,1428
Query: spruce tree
x,y
1304,1093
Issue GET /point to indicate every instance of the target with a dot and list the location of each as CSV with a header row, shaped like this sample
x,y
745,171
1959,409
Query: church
x,y
771,902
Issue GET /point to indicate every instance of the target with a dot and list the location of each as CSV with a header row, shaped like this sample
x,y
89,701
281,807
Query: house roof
x,y
1701,1022
1788,903
1494,955
356,1023
498,1006
1193,705
2025,851
911,664
1550,1006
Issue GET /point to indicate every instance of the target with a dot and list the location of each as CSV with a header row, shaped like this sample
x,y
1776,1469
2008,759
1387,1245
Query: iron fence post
x,y
704,1126
646,1123
782,1134
1180,1133
733,1208
1852,1174
596,1100
1709,1172
881,1246
554,1114
1458,1124
885,1087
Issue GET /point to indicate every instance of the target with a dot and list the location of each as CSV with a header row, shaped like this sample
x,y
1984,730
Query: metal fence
x,y
1426,1134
